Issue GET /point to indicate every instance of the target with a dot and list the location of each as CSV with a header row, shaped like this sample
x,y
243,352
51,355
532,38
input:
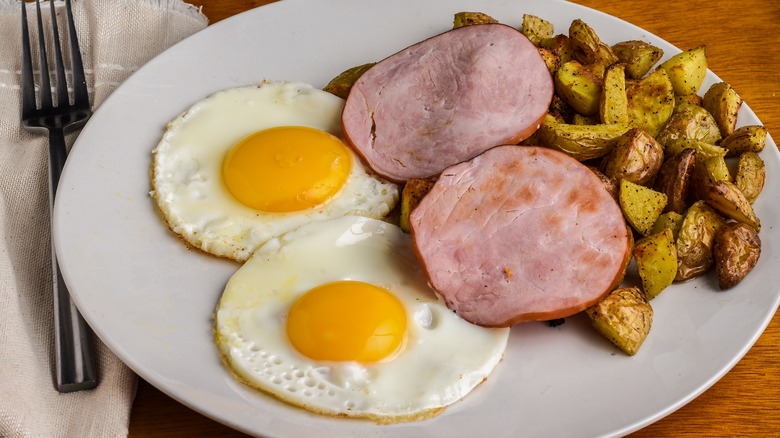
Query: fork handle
x,y
75,361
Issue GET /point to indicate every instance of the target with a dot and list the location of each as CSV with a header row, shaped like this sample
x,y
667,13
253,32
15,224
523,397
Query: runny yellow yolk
x,y
347,321
289,168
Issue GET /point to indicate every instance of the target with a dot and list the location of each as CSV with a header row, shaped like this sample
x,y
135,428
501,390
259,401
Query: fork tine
x,y
80,96
43,62
28,82
62,84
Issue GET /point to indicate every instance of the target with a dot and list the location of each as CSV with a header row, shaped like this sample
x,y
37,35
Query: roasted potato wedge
x,y
414,190
341,84
471,18
693,99
613,107
551,59
624,317
686,70
703,150
579,119
751,175
536,29
637,157
650,102
692,122
561,45
750,138
723,103
583,142
707,171
578,87
716,168
728,200
656,260
736,251
589,49
638,56
674,179
641,206
671,220
696,239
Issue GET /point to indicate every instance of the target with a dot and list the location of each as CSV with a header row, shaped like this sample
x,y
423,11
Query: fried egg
x,y
247,164
337,317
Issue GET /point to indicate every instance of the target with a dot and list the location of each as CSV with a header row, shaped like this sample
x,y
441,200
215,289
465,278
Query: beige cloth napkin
x,y
116,37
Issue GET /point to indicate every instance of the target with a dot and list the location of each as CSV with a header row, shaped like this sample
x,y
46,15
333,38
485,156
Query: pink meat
x,y
520,233
446,100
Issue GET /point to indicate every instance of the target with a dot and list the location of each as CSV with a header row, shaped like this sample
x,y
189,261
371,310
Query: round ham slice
x,y
446,100
520,233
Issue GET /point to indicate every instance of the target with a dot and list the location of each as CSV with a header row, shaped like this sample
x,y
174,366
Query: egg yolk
x,y
347,321
288,168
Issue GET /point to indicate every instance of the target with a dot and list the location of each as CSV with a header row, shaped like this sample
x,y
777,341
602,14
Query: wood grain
x,y
741,40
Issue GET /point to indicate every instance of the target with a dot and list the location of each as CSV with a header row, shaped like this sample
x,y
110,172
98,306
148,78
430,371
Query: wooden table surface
x,y
742,48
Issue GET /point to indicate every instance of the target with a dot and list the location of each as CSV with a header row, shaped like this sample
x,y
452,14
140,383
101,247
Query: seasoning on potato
x,y
674,179
750,138
692,122
624,317
636,157
638,56
736,251
696,239
751,175
656,260
341,84
651,102
686,70
723,103
641,205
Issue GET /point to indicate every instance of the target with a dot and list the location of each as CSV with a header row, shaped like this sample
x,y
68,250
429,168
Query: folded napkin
x,y
116,37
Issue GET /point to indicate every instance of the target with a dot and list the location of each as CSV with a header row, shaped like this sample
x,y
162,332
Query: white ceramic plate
x,y
150,299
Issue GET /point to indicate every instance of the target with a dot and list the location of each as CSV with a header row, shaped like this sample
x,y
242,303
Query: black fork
x,y
75,363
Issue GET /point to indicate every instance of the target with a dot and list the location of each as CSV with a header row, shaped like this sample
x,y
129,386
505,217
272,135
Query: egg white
x,y
187,168
443,359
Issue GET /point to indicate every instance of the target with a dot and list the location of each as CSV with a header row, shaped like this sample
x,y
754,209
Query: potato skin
x,y
674,179
583,142
691,122
624,317
638,56
341,84
561,45
696,239
536,29
589,49
751,175
636,157
471,18
750,138
703,150
414,190
723,103
728,200
736,251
